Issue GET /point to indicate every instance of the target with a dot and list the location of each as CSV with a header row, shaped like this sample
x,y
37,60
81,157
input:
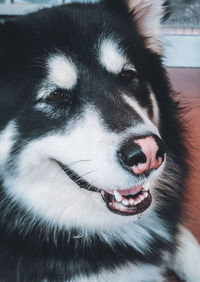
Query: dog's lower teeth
x,y
131,202
125,202
141,198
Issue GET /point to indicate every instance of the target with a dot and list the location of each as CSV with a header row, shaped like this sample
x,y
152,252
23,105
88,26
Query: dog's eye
x,y
55,96
128,74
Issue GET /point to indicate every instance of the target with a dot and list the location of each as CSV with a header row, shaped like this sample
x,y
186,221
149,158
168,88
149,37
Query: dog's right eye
x,y
128,74
55,96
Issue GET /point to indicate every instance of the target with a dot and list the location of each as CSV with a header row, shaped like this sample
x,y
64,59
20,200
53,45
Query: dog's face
x,y
81,145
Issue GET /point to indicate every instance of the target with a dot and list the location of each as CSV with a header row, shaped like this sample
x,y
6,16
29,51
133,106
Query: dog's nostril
x,y
161,147
131,155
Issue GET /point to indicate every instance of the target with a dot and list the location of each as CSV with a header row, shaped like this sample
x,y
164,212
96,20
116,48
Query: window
x,y
18,7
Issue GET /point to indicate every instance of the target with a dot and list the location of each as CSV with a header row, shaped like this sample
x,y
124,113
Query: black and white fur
x,y
50,228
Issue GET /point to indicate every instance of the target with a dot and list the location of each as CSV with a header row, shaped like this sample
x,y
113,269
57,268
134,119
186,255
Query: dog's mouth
x,y
127,202
131,201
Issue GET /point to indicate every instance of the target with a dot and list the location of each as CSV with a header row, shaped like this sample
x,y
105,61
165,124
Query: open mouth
x,y
127,202
131,201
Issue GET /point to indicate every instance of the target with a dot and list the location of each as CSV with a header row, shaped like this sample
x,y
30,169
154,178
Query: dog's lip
x,y
131,201
77,179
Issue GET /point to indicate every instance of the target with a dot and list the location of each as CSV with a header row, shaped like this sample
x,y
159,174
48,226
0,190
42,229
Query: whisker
x,y
80,177
79,161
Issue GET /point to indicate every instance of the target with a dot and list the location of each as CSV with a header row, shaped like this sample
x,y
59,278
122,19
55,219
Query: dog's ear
x,y
147,15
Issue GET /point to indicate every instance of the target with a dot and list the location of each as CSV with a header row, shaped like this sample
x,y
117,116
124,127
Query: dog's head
x,y
81,91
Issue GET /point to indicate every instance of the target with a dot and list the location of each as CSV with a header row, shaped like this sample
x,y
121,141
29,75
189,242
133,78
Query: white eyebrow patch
x,y
155,108
62,71
142,113
111,57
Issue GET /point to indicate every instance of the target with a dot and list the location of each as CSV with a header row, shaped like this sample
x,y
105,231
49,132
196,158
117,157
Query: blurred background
x,y
181,39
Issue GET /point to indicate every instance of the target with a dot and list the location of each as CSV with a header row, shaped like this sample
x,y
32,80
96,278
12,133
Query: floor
x,y
186,81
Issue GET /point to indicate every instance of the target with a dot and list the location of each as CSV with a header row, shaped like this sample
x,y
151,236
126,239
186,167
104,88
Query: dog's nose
x,y
143,154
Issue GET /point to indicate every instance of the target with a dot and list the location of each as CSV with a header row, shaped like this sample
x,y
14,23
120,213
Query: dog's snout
x,y
142,154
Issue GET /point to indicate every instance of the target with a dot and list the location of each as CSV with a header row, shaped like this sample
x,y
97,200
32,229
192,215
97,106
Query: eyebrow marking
x,y
62,71
143,114
111,56
156,115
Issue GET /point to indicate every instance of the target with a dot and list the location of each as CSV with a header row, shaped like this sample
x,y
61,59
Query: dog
x,y
92,160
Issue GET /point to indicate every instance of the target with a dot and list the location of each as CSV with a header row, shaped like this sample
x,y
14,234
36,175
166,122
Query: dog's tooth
x,y
118,196
142,197
102,192
136,202
125,202
146,195
146,186
131,202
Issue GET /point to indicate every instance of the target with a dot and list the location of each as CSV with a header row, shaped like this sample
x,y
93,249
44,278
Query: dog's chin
x,y
127,202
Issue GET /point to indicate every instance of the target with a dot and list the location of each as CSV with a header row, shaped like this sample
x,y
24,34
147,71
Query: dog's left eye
x,y
128,74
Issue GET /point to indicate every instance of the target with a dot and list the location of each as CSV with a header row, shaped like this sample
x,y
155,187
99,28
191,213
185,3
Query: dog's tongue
x,y
130,191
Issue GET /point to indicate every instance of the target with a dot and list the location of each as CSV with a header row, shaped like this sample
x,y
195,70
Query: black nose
x,y
131,155
142,154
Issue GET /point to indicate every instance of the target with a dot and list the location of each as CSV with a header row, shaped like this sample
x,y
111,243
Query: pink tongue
x,y
133,190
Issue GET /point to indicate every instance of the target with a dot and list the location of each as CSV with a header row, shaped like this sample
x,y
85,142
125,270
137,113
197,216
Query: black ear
x,y
8,39
2,38
11,55
147,15
119,6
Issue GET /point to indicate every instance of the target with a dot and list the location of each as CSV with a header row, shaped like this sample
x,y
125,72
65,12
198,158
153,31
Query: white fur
x,y
62,71
127,273
7,137
40,185
147,14
111,56
187,257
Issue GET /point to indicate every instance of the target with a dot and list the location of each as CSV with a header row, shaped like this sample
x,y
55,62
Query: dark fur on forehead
x,y
27,41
